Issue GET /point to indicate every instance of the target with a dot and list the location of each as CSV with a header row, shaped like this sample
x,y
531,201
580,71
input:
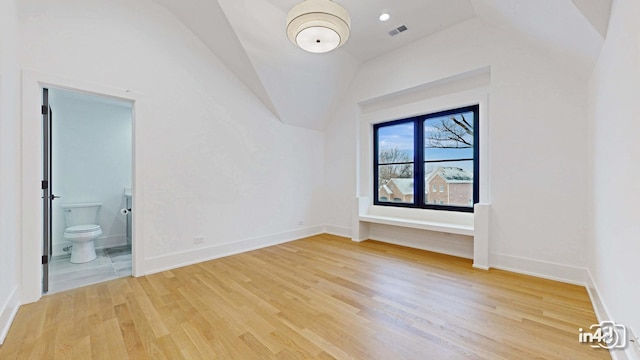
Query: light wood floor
x,y
323,297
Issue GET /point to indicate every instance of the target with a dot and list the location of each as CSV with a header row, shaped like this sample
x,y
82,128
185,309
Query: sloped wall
x,y
211,161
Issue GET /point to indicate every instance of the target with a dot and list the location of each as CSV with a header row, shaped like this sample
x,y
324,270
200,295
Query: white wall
x,y
210,160
9,167
615,105
538,152
91,161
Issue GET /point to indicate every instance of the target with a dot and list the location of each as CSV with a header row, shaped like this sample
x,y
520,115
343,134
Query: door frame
x,y
31,199
47,187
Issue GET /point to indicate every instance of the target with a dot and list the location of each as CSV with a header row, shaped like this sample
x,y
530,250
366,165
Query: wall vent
x,y
398,30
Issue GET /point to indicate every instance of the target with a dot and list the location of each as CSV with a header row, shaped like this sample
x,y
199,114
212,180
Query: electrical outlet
x,y
198,240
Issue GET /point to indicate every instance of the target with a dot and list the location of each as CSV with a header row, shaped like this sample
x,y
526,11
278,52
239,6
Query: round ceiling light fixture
x,y
318,26
385,16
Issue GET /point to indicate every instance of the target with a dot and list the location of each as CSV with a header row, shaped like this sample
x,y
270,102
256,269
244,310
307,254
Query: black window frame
x,y
419,161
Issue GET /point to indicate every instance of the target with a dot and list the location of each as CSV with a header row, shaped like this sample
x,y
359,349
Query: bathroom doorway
x,y
87,198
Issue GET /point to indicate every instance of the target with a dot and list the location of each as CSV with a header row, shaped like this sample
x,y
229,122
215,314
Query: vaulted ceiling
x,y
305,89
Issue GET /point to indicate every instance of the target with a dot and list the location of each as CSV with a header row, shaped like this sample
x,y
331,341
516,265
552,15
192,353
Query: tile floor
x,y
110,264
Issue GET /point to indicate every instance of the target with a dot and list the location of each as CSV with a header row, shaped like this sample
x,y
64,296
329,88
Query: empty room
x,y
319,179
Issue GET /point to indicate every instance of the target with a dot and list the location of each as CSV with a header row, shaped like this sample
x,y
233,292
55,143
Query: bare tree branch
x,y
466,126
388,172
457,136
450,133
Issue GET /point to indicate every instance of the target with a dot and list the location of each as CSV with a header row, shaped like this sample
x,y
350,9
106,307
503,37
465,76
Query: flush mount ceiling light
x,y
384,16
318,26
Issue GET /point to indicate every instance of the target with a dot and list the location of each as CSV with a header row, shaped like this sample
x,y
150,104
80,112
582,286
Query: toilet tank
x,y
81,214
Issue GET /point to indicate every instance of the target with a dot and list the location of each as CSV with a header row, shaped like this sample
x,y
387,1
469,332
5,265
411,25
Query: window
x,y
428,151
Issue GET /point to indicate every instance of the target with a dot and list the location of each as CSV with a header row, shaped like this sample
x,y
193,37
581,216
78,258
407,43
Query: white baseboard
x,y
443,243
542,269
598,304
101,243
8,312
449,244
481,267
417,245
337,230
58,248
631,352
111,241
198,255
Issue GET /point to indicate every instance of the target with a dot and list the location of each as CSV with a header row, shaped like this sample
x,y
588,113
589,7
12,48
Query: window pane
x,y
449,183
449,137
442,146
395,183
395,143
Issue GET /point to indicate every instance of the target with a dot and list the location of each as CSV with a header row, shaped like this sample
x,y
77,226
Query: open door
x,y
47,195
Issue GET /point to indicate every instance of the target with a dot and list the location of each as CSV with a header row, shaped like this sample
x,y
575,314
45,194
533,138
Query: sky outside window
x,y
396,137
449,145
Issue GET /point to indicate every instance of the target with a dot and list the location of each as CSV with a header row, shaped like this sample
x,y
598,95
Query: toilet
x,y
81,221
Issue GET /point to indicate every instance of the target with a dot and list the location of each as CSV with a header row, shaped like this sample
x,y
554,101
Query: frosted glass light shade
x,y
318,39
318,26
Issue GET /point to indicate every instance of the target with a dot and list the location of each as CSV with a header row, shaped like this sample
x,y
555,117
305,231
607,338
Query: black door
x,y
47,195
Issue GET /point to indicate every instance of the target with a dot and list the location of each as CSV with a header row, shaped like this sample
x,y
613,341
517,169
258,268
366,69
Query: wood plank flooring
x,y
322,297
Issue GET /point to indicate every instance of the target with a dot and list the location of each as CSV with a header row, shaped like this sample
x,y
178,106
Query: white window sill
x,y
434,220
474,224
419,224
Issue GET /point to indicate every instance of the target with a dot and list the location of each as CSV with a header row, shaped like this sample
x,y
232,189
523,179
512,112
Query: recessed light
x,y
384,16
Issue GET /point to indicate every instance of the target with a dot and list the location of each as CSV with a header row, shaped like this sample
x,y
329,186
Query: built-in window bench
x,y
474,224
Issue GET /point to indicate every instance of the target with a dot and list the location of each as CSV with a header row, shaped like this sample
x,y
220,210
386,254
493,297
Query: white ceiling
x,y
206,20
370,37
597,12
304,89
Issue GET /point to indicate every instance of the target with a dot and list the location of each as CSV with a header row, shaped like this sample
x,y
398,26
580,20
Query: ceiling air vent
x,y
398,30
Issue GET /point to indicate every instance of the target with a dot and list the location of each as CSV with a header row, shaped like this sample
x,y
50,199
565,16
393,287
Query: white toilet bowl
x,y
81,237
